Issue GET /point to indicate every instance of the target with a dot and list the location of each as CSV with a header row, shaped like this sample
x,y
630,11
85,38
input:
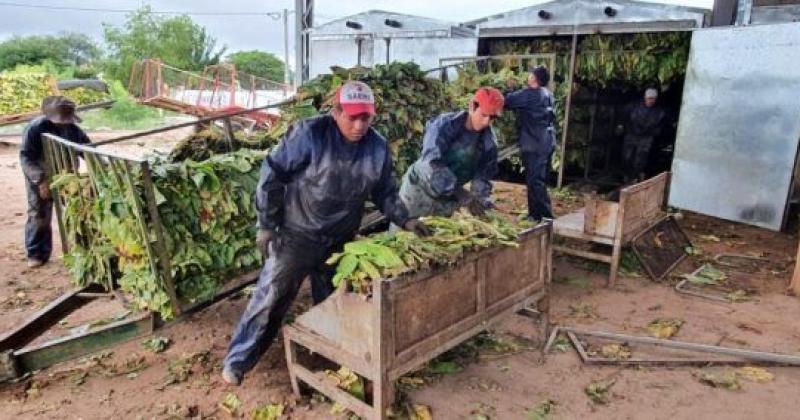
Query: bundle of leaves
x,y
21,93
388,255
405,101
207,214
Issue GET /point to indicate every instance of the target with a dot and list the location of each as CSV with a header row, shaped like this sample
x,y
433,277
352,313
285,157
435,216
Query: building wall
x,y
424,51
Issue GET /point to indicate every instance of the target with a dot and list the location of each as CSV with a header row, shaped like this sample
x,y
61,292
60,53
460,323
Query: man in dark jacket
x,y
535,110
310,201
643,126
458,147
59,119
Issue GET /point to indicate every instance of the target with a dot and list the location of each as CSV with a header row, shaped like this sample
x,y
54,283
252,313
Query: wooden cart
x,y
640,207
412,319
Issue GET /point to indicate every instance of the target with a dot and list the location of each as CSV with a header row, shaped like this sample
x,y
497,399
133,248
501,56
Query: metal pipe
x,y
567,108
187,124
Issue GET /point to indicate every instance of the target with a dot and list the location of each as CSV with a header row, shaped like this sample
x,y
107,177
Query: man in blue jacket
x,y
310,201
59,119
458,147
535,109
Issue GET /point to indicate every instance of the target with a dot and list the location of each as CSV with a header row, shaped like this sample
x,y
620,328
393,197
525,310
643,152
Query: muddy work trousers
x,y
636,154
292,258
38,233
537,167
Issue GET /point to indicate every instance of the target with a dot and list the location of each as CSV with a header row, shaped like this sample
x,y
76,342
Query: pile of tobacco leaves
x,y
388,255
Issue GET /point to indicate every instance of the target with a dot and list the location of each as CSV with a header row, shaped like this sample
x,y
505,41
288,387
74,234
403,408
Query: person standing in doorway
x,y
535,111
644,122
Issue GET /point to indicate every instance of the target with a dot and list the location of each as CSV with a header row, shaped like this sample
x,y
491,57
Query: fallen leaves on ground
x,y
583,310
597,390
230,404
706,275
268,412
156,344
347,380
542,411
726,380
664,328
755,374
616,351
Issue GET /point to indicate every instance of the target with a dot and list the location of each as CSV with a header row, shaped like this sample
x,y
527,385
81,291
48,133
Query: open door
x,y
739,125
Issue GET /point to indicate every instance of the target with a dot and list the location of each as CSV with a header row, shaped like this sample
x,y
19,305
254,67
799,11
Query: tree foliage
x,y
177,41
63,50
258,63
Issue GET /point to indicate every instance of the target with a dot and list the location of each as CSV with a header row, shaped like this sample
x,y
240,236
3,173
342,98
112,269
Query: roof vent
x,y
610,11
393,23
352,25
544,14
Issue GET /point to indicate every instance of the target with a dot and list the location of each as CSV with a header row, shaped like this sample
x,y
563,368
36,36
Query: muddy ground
x,y
509,381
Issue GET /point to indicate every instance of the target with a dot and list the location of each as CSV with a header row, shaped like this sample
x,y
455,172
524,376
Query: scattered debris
x,y
583,310
597,390
230,404
156,344
755,374
421,412
709,238
268,412
181,368
706,275
727,380
738,296
542,411
347,380
561,344
664,328
616,351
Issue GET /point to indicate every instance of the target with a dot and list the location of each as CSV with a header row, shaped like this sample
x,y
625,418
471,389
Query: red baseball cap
x,y
356,98
489,100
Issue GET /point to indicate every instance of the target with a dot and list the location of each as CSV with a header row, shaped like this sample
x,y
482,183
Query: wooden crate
x,y
412,319
640,207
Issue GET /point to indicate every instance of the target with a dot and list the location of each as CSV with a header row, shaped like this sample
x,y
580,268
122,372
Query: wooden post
x,y
796,278
567,106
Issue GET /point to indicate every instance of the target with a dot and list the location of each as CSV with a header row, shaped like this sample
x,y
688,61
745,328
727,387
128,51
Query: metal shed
x,y
562,20
566,17
377,37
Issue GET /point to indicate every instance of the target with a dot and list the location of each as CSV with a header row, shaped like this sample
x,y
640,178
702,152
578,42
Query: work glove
x,y
416,226
44,190
263,238
472,203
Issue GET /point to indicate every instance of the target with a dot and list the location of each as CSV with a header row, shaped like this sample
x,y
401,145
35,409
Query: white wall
x,y
424,51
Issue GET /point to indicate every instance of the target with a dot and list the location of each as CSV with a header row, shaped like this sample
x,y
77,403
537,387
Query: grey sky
x,y
240,32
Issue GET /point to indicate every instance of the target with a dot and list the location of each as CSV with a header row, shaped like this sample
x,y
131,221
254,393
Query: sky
x,y
238,24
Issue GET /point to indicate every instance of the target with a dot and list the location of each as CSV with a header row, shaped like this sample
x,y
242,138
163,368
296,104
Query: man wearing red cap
x,y
59,119
310,201
458,147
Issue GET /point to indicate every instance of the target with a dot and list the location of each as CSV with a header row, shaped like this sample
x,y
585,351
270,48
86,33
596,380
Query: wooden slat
x,y
583,254
330,350
323,384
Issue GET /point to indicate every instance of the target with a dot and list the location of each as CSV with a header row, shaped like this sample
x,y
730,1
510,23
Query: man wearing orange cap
x,y
458,147
310,201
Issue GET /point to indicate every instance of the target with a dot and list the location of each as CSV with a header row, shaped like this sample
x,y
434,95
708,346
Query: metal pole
x,y
298,42
285,53
567,108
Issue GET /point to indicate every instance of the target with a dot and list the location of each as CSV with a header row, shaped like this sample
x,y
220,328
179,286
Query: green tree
x,y
177,41
62,51
258,63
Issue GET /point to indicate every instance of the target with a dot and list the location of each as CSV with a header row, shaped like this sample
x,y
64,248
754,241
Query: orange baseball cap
x,y
356,98
489,100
